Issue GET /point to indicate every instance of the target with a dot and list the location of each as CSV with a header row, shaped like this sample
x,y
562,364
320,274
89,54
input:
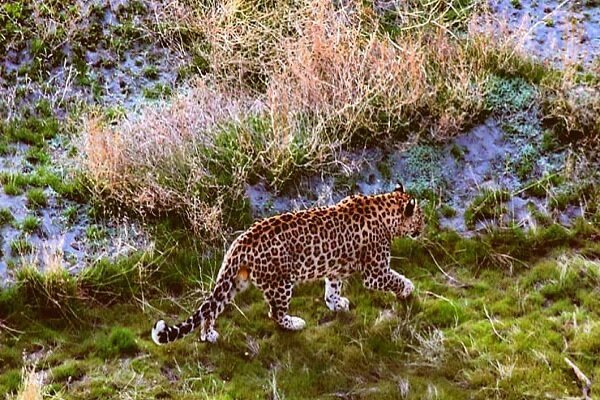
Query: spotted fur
x,y
334,242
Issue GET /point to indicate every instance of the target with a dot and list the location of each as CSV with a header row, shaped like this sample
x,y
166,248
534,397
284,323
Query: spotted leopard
x,y
333,242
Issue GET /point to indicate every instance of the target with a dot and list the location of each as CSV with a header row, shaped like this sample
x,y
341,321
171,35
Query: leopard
x,y
332,243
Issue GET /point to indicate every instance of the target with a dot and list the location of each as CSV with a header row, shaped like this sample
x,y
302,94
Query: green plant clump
x,y
488,204
95,232
424,171
6,216
447,211
20,247
157,91
509,94
36,198
120,342
526,162
30,223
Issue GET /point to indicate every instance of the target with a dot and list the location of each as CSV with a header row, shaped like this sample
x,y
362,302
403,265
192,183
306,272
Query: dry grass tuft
x,y
573,111
31,388
155,161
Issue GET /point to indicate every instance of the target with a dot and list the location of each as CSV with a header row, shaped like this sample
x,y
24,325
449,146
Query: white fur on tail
x,y
159,327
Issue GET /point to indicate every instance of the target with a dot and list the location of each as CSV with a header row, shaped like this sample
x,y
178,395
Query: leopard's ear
x,y
410,208
399,187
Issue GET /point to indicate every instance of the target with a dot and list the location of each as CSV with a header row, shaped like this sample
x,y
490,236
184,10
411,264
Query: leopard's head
x,y
410,220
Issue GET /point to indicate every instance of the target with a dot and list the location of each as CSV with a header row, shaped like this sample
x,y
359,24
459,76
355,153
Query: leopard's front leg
x,y
378,275
333,298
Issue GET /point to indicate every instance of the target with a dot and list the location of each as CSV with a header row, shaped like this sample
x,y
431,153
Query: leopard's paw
x,y
293,323
343,304
409,287
210,336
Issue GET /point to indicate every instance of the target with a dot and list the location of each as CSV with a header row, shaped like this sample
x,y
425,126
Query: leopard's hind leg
x,y
223,293
278,296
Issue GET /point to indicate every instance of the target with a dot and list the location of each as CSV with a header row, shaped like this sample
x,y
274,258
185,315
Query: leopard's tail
x,y
231,279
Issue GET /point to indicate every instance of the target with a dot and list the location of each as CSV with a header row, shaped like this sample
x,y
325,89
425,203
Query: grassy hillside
x,y
140,137
493,317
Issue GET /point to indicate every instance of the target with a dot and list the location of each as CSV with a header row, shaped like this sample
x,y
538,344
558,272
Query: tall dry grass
x,y
291,84
31,387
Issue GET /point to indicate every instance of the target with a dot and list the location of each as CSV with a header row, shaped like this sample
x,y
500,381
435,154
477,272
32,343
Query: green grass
x,y
493,315
10,381
539,217
72,188
120,342
151,72
461,340
32,130
509,94
5,148
447,211
6,216
21,247
541,187
13,183
525,164
457,152
36,198
37,155
582,191
70,214
424,171
385,169
11,189
550,142
67,371
488,204
30,224
157,91
95,233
